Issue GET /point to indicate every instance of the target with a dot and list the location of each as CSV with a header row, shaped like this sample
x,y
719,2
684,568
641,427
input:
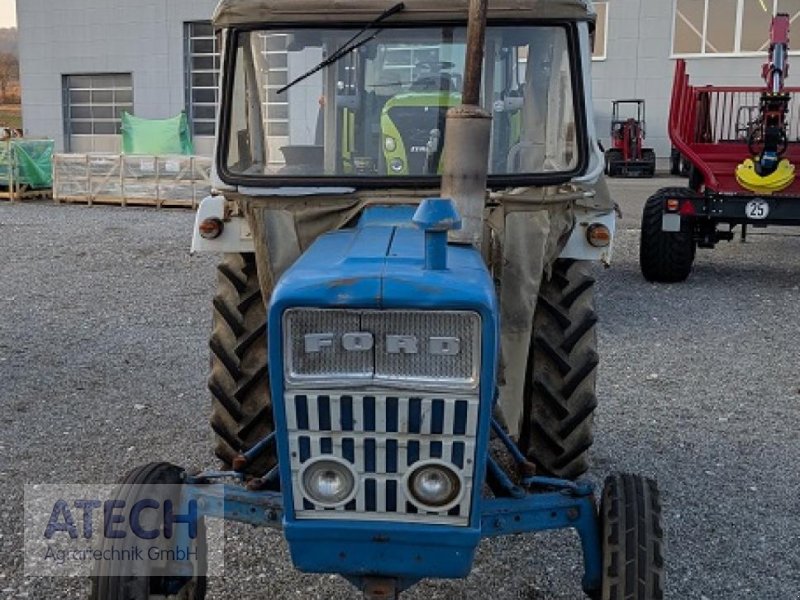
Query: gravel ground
x,y
103,364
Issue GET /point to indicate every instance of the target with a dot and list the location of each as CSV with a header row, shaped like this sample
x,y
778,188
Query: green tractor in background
x,y
410,102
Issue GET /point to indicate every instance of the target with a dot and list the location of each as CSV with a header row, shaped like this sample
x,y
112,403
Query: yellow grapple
x,y
776,181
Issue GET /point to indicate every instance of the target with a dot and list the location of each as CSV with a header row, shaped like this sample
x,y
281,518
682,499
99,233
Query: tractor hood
x,y
380,265
232,13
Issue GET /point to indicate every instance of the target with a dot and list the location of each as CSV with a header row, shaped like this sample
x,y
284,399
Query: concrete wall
x,y
639,65
144,37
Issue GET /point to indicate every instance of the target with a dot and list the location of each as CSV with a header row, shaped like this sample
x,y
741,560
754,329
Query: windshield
x,y
379,110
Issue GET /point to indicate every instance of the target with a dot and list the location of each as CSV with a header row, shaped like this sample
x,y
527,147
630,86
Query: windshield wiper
x,y
348,47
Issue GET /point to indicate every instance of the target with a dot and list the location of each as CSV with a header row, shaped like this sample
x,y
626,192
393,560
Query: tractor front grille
x,y
415,123
383,435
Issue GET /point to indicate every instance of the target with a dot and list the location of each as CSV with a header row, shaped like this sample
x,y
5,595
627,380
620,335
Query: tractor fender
x,y
236,235
578,246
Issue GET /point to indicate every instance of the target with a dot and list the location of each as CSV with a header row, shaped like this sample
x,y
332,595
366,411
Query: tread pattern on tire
x,y
649,156
560,396
613,159
239,382
108,586
665,257
675,160
633,539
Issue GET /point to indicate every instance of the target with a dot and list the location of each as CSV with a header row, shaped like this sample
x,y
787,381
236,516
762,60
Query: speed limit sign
x,y
757,209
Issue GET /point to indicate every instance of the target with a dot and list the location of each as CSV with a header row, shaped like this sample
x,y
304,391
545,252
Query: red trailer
x,y
713,128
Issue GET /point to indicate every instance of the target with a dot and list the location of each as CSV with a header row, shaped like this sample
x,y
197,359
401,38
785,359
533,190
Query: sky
x,y
8,13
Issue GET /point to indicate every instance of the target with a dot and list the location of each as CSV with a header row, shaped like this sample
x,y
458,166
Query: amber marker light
x,y
211,228
598,235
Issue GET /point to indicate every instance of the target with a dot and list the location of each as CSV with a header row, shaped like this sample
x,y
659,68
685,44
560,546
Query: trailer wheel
x,y
633,539
665,257
133,580
241,411
675,160
560,395
696,179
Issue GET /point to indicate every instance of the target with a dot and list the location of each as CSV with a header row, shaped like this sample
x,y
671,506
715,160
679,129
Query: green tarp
x,y
27,162
156,137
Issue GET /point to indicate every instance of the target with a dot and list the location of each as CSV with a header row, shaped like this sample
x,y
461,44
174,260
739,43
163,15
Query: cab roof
x,y
233,13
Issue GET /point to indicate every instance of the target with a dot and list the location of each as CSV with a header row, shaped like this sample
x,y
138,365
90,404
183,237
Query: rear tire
x,y
117,580
560,396
664,256
633,539
241,412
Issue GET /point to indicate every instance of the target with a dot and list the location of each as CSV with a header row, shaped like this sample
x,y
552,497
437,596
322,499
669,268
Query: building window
x,y
93,104
725,27
202,54
276,58
600,38
401,62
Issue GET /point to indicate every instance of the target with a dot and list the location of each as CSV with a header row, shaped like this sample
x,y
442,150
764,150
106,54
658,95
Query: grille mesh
x,y
426,325
414,123
425,367
383,435
328,363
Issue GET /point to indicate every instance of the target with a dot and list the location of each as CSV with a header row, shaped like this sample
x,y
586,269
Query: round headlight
x,y
434,486
389,144
397,165
328,482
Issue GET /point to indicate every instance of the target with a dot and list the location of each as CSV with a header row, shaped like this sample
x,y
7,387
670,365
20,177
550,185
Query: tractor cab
x,y
627,114
376,112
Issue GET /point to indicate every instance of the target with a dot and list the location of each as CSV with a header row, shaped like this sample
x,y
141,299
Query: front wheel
x,y
649,157
117,579
633,539
614,160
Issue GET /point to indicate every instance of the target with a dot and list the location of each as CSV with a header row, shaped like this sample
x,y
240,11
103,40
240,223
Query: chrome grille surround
x,y
384,435
333,366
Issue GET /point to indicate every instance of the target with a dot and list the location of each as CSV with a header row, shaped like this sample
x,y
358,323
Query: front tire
x,y
560,395
118,580
665,256
241,408
649,157
633,539
614,160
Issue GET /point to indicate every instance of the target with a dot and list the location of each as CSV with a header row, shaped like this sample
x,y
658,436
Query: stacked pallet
x,y
25,169
159,181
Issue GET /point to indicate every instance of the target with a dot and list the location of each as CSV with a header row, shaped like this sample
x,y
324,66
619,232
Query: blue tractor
x,y
404,348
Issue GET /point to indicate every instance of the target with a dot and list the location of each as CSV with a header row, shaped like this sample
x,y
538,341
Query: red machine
x,y
628,157
742,143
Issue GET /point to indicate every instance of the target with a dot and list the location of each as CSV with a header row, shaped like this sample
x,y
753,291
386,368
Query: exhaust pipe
x,y
467,139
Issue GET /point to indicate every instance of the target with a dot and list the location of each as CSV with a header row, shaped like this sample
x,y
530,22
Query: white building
x,y
84,61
